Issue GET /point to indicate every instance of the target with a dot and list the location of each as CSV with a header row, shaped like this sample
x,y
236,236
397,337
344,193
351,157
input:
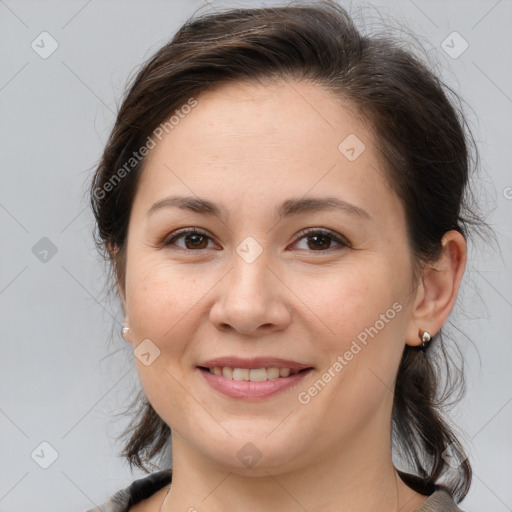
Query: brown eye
x,y
317,240
321,240
193,239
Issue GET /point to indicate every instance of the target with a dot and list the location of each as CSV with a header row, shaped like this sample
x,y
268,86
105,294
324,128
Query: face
x,y
271,278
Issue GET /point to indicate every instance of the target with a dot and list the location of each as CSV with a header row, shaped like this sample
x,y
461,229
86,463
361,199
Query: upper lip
x,y
256,362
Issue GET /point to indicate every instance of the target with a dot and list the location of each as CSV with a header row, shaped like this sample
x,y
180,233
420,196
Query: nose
x,y
252,299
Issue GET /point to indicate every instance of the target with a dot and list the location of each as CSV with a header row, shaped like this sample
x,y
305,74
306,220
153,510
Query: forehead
x,y
273,139
274,119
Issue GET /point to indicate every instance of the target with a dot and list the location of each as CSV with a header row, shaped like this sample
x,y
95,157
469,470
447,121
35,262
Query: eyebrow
x,y
286,209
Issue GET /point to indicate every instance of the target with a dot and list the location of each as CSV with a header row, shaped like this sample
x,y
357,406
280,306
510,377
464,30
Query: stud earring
x,y
124,331
425,338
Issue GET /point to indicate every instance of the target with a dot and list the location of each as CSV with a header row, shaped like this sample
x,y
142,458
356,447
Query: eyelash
x,y
341,241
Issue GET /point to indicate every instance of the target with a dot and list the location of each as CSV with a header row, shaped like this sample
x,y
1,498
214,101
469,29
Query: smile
x,y
254,383
254,374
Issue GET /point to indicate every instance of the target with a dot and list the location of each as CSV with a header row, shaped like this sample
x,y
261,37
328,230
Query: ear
x,y
113,250
437,292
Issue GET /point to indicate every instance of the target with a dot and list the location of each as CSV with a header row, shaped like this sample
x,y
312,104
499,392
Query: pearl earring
x,y
425,338
124,331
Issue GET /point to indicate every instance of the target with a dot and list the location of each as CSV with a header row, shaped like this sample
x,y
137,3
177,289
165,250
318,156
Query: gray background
x,y
62,380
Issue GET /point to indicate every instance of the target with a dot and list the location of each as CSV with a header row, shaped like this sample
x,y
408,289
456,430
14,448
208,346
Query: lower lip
x,y
250,389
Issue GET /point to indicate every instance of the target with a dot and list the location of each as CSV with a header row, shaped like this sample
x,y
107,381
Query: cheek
x,y
162,303
160,295
352,298
363,310
166,300
362,357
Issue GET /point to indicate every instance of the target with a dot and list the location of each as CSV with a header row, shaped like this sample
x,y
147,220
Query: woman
x,y
282,202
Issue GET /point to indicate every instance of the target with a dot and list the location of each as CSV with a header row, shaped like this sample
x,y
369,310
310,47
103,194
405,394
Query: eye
x,y
193,239
321,239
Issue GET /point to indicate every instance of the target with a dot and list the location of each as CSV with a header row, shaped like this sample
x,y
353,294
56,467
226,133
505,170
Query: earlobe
x,y
438,290
126,332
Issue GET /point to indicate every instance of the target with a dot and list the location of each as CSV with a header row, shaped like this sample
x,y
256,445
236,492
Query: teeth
x,y
240,374
272,373
226,372
254,374
258,374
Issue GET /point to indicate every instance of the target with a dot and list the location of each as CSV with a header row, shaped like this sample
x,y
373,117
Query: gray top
x,y
439,501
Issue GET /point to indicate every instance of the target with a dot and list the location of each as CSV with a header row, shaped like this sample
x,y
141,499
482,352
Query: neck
x,y
358,476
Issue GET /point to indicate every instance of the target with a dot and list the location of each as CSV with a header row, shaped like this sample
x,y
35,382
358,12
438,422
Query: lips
x,y
255,378
257,362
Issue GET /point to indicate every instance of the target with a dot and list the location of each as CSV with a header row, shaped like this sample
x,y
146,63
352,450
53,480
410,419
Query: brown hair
x,y
421,133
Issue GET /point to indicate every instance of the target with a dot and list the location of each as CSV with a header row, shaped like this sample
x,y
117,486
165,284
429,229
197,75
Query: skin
x,y
249,147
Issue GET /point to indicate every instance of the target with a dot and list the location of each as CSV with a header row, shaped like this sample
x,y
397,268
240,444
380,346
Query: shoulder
x,y
439,501
139,490
438,497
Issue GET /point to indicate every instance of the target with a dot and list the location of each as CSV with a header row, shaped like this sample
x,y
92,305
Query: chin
x,y
255,455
